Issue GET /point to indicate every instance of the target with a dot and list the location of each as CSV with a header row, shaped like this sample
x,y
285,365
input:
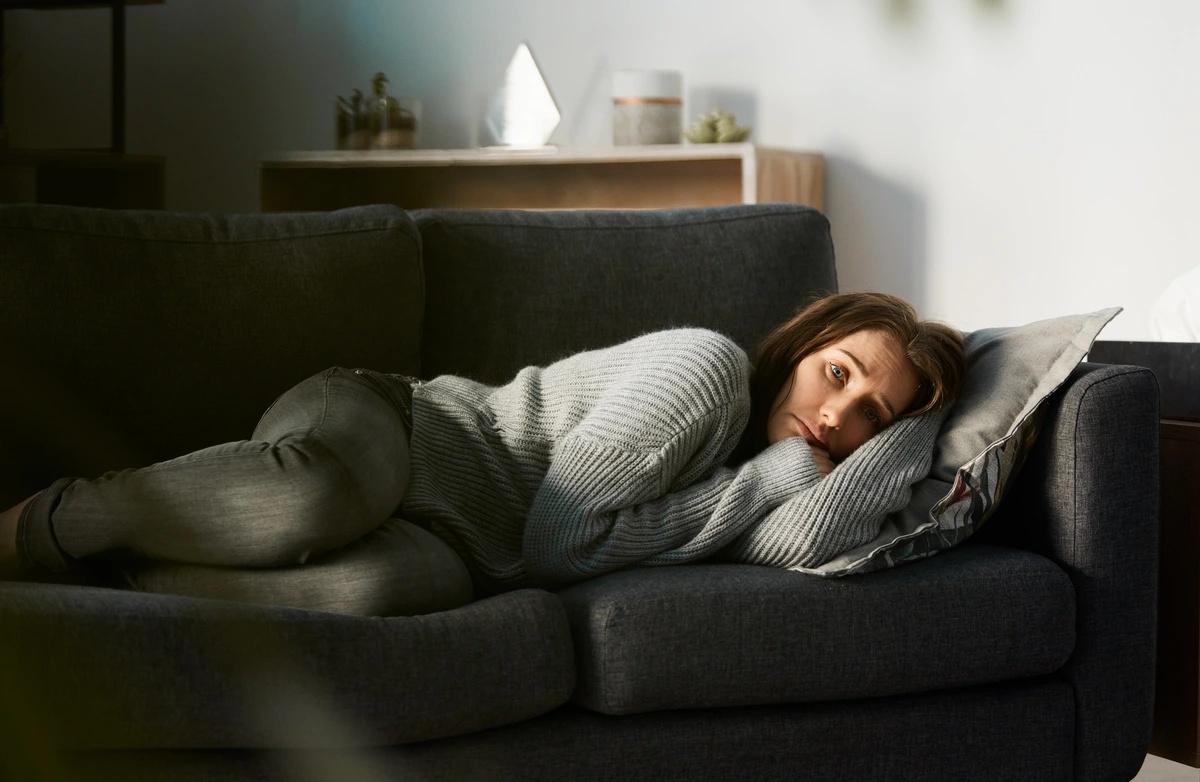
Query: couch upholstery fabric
x,y
1065,506
161,671
1018,731
645,639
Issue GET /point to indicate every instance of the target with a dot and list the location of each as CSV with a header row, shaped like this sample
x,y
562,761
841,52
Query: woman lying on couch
x,y
665,449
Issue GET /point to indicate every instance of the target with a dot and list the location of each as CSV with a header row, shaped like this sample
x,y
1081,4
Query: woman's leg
x,y
397,569
328,462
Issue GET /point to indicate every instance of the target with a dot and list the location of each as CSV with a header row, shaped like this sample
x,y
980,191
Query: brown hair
x,y
935,349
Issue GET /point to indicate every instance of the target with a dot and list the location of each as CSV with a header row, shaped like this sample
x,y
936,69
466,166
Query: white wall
x,y
996,161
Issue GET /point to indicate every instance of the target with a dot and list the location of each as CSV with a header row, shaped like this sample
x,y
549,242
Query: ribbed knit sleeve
x,y
537,469
847,508
601,509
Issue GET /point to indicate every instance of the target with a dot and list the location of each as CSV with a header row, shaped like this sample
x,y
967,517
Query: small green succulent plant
x,y
719,127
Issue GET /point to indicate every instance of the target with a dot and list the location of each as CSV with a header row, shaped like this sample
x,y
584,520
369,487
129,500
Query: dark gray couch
x,y
1025,654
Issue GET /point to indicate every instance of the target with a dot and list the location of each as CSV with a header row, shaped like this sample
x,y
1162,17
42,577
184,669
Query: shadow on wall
x,y
879,231
905,12
589,123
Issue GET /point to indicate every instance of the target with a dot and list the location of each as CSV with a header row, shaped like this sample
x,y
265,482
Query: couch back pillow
x,y
510,289
128,337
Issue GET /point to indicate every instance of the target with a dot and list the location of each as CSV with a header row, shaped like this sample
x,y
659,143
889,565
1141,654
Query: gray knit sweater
x,y
615,457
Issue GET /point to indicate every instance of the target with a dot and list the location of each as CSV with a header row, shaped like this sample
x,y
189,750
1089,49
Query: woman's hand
x,y
821,459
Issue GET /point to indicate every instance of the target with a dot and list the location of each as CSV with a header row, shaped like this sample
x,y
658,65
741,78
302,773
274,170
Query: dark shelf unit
x,y
105,177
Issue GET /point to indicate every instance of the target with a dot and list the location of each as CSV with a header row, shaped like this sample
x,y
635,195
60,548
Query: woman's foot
x,y
10,561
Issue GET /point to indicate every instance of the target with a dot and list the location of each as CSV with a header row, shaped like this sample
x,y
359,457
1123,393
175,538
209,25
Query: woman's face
x,y
840,396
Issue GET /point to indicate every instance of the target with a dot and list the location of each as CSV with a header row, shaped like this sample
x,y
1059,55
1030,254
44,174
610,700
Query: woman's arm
x,y
601,508
845,509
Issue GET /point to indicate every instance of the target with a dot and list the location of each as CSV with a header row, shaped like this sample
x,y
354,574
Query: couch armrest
x,y
1088,499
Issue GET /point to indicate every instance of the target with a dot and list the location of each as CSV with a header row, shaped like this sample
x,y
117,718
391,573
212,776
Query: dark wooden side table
x,y
1177,693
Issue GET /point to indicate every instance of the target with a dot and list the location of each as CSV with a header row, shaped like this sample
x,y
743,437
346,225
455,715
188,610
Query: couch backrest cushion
x,y
129,337
509,289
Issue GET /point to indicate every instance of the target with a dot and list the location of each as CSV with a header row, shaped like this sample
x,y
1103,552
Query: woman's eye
x,y
873,416
837,371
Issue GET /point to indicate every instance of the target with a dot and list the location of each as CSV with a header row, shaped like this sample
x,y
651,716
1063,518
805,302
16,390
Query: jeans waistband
x,y
399,389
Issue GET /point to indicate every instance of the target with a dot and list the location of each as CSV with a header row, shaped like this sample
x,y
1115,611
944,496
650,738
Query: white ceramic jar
x,y
647,107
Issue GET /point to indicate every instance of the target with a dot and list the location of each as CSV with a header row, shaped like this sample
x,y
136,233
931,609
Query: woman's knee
x,y
341,459
318,504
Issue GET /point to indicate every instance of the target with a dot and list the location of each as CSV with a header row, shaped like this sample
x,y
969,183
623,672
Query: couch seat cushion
x,y
91,668
732,635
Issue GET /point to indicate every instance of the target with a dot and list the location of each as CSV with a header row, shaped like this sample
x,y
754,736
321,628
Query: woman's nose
x,y
832,413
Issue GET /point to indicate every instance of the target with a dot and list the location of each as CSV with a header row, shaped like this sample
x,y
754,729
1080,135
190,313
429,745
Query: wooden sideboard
x,y
645,177
1177,694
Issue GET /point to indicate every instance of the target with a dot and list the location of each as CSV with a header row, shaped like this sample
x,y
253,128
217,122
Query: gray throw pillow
x,y
1011,372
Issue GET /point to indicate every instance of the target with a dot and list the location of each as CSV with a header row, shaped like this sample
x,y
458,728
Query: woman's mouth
x,y
809,436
